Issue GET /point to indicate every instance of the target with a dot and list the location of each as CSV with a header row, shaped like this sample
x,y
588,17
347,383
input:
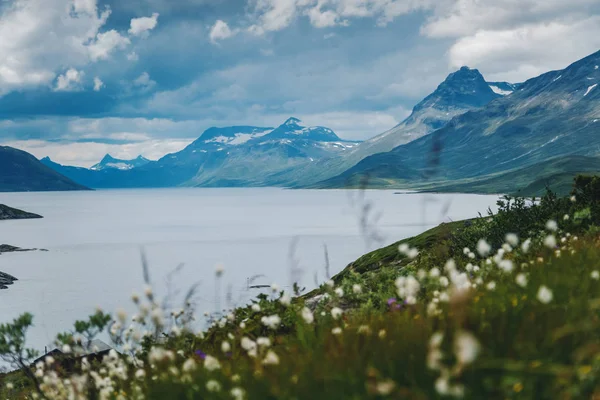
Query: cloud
x,y
132,56
219,31
141,26
39,37
98,84
105,43
69,81
275,15
144,81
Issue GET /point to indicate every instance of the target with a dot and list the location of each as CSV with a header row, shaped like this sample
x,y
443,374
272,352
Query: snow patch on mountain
x,y
589,89
499,91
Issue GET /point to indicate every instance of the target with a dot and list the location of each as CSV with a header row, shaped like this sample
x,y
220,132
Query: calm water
x,y
95,238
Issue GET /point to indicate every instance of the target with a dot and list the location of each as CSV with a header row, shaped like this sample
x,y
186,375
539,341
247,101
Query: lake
x,y
94,242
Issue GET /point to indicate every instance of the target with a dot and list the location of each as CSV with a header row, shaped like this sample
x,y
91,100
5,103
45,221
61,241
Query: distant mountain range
x,y
22,172
110,162
553,117
467,135
231,156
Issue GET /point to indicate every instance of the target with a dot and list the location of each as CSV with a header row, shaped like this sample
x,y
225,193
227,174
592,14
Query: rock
x,y
7,212
6,280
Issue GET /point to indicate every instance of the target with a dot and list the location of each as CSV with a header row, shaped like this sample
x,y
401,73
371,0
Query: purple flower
x,y
391,301
201,354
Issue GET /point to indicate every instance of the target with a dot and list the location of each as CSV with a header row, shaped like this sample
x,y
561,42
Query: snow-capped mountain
x,y
462,91
110,162
230,156
551,116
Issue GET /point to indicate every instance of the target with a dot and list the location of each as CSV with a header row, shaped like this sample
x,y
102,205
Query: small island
x,y
7,213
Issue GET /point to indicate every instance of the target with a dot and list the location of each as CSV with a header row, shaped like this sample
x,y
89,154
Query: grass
x,y
522,322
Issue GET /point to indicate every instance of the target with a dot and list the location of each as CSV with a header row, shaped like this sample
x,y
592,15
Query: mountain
x,y
554,115
230,156
22,172
462,91
110,162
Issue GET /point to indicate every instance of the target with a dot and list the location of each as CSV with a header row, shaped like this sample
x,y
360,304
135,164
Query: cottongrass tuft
x,y
483,248
544,294
521,280
551,225
336,312
550,241
213,386
271,358
512,239
211,363
307,315
595,275
337,330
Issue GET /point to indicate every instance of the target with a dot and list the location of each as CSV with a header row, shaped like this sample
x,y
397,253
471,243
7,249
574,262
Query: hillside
x,y
556,114
22,172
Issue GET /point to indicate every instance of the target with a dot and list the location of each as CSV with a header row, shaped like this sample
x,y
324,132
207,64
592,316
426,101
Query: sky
x,y
82,78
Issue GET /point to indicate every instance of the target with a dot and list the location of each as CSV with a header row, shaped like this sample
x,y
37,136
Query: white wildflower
x,y
189,365
263,341
444,281
339,292
272,321
274,288
385,388
248,344
356,289
211,363
512,239
434,272
219,270
271,358
506,265
213,386
285,300
483,248
507,247
550,241
403,248
157,316
544,295
237,393
337,330
255,307
330,283
595,275
566,217
551,225
466,347
225,347
336,312
307,315
526,245
491,285
573,199
521,280
140,374
412,253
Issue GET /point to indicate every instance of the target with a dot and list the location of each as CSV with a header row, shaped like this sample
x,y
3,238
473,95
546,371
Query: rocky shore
x,y
7,212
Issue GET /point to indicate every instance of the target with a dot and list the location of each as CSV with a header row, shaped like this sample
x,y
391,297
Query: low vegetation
x,y
504,306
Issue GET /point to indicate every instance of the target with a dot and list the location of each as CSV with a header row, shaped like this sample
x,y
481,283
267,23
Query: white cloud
x,y
69,81
98,84
141,26
219,31
132,56
275,15
39,37
144,81
521,53
105,43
